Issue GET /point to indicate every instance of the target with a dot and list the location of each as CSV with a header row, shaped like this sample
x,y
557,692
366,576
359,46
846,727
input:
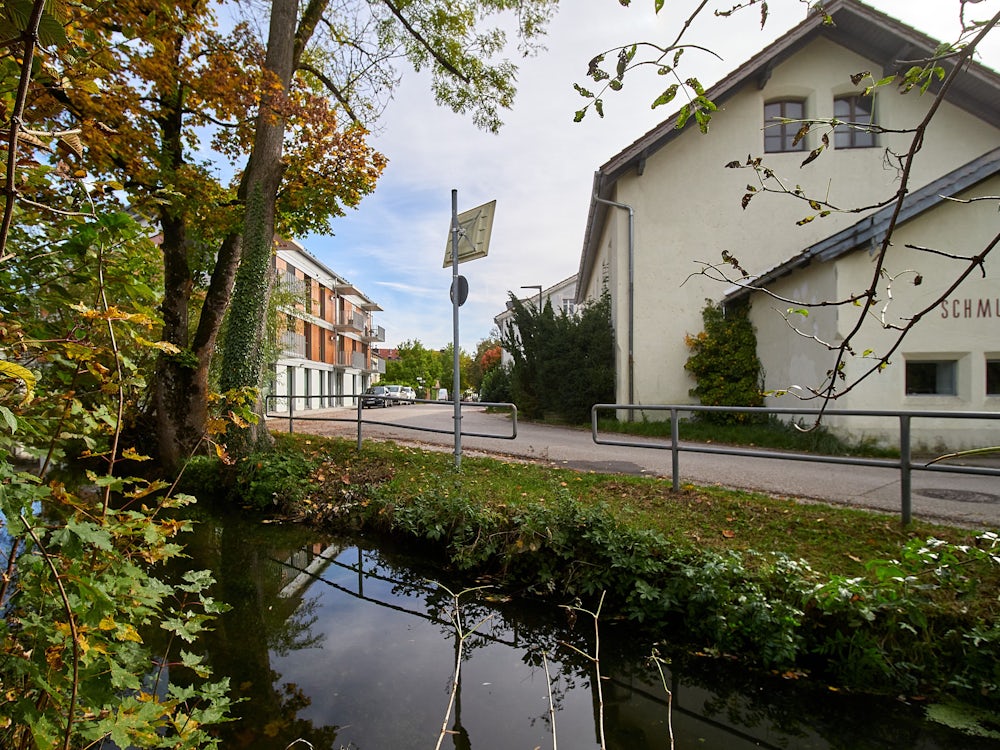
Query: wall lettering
x,y
969,307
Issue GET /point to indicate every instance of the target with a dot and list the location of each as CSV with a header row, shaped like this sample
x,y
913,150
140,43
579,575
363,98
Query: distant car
x,y
395,393
409,395
377,395
442,394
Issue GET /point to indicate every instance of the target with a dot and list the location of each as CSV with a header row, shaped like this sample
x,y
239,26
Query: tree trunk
x,y
181,390
243,362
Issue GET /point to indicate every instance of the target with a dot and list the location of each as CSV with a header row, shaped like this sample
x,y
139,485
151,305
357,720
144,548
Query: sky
x,y
539,168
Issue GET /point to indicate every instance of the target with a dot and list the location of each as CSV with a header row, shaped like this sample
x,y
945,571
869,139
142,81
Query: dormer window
x,y
782,121
856,114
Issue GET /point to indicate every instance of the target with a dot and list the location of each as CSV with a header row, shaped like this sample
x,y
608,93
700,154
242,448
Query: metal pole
x,y
456,376
360,412
905,466
675,436
631,296
291,403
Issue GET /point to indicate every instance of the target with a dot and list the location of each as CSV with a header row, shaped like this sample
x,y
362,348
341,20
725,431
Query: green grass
x,y
832,539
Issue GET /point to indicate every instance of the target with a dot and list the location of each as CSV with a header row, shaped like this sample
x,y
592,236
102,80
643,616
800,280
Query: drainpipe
x,y
631,293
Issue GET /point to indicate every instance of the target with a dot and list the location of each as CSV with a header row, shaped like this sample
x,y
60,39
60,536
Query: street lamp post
x,y
539,288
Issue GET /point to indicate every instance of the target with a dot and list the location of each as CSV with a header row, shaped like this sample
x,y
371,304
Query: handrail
x,y
904,463
360,420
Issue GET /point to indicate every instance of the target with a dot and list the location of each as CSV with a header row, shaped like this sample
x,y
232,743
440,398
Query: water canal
x,y
347,644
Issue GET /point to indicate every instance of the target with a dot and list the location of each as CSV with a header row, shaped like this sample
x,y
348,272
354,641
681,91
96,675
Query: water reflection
x,y
348,645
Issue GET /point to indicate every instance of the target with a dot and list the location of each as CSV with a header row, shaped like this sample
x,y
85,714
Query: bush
x,y
496,385
724,362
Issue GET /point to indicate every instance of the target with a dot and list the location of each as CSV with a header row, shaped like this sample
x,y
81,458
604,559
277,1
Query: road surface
x,y
967,500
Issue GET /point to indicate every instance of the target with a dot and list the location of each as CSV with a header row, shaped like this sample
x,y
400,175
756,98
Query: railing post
x,y
905,466
359,422
291,407
674,452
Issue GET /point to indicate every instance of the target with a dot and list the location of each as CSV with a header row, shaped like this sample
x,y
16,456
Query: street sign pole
x,y
475,226
456,375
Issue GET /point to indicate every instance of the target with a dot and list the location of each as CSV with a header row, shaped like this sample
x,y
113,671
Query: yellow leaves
x,y
129,633
217,425
113,313
133,455
121,632
164,346
22,374
223,454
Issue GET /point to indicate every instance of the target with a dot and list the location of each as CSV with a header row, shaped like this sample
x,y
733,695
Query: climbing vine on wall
x,y
724,362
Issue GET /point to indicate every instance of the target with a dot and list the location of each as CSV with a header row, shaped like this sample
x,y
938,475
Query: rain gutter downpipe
x,y
631,290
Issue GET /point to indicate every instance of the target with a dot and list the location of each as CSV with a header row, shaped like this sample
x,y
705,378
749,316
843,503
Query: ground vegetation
x,y
842,596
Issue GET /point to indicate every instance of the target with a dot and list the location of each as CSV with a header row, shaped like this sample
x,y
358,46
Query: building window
x,y
993,377
856,110
932,377
568,305
780,135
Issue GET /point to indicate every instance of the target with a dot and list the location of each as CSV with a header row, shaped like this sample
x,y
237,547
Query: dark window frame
x,y
779,137
860,111
925,377
992,376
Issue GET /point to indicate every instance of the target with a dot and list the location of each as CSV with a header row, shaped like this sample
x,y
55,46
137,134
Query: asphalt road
x,y
946,497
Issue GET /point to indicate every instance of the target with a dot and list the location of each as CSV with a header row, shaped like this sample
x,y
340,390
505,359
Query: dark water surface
x,y
345,644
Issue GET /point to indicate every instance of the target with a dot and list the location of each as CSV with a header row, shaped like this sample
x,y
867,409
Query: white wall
x,y
965,329
688,207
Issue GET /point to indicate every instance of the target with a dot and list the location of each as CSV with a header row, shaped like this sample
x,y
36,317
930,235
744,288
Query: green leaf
x,y
666,97
9,418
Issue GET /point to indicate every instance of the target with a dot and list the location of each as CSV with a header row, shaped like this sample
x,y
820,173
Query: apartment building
x,y
327,339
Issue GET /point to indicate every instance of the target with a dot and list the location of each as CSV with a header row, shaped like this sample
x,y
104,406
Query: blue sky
x,y
539,168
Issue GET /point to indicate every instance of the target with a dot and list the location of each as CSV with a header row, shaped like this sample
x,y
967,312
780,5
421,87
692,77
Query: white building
x,y
327,353
667,206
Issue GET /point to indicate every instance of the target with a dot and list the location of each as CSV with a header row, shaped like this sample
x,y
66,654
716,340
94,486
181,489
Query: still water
x,y
345,644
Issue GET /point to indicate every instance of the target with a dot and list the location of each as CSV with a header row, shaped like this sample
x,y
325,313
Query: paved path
x,y
953,498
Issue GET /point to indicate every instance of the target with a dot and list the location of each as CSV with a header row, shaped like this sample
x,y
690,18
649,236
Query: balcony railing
x,y
374,334
352,322
293,344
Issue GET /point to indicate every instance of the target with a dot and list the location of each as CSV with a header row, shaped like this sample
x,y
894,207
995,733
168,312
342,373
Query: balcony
x,y
354,322
293,344
375,334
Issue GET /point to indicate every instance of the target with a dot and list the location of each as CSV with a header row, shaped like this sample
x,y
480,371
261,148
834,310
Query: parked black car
x,y
377,395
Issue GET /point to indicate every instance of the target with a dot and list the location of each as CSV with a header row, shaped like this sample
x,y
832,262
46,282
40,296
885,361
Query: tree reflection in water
x,y
345,645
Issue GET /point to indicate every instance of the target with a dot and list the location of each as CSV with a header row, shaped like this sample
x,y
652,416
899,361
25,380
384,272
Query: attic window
x,y
782,120
856,110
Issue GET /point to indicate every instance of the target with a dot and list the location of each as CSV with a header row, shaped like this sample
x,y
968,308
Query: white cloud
x,y
539,168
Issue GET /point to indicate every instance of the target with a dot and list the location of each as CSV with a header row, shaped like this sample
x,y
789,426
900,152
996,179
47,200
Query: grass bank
x,y
844,595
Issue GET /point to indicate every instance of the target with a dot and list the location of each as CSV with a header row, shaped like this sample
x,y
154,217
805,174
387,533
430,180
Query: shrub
x,y
725,365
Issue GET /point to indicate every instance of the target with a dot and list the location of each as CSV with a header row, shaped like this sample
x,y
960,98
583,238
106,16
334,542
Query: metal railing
x,y
358,411
905,462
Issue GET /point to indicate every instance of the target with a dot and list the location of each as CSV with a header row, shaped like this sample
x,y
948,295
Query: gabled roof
x,y
857,27
870,231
